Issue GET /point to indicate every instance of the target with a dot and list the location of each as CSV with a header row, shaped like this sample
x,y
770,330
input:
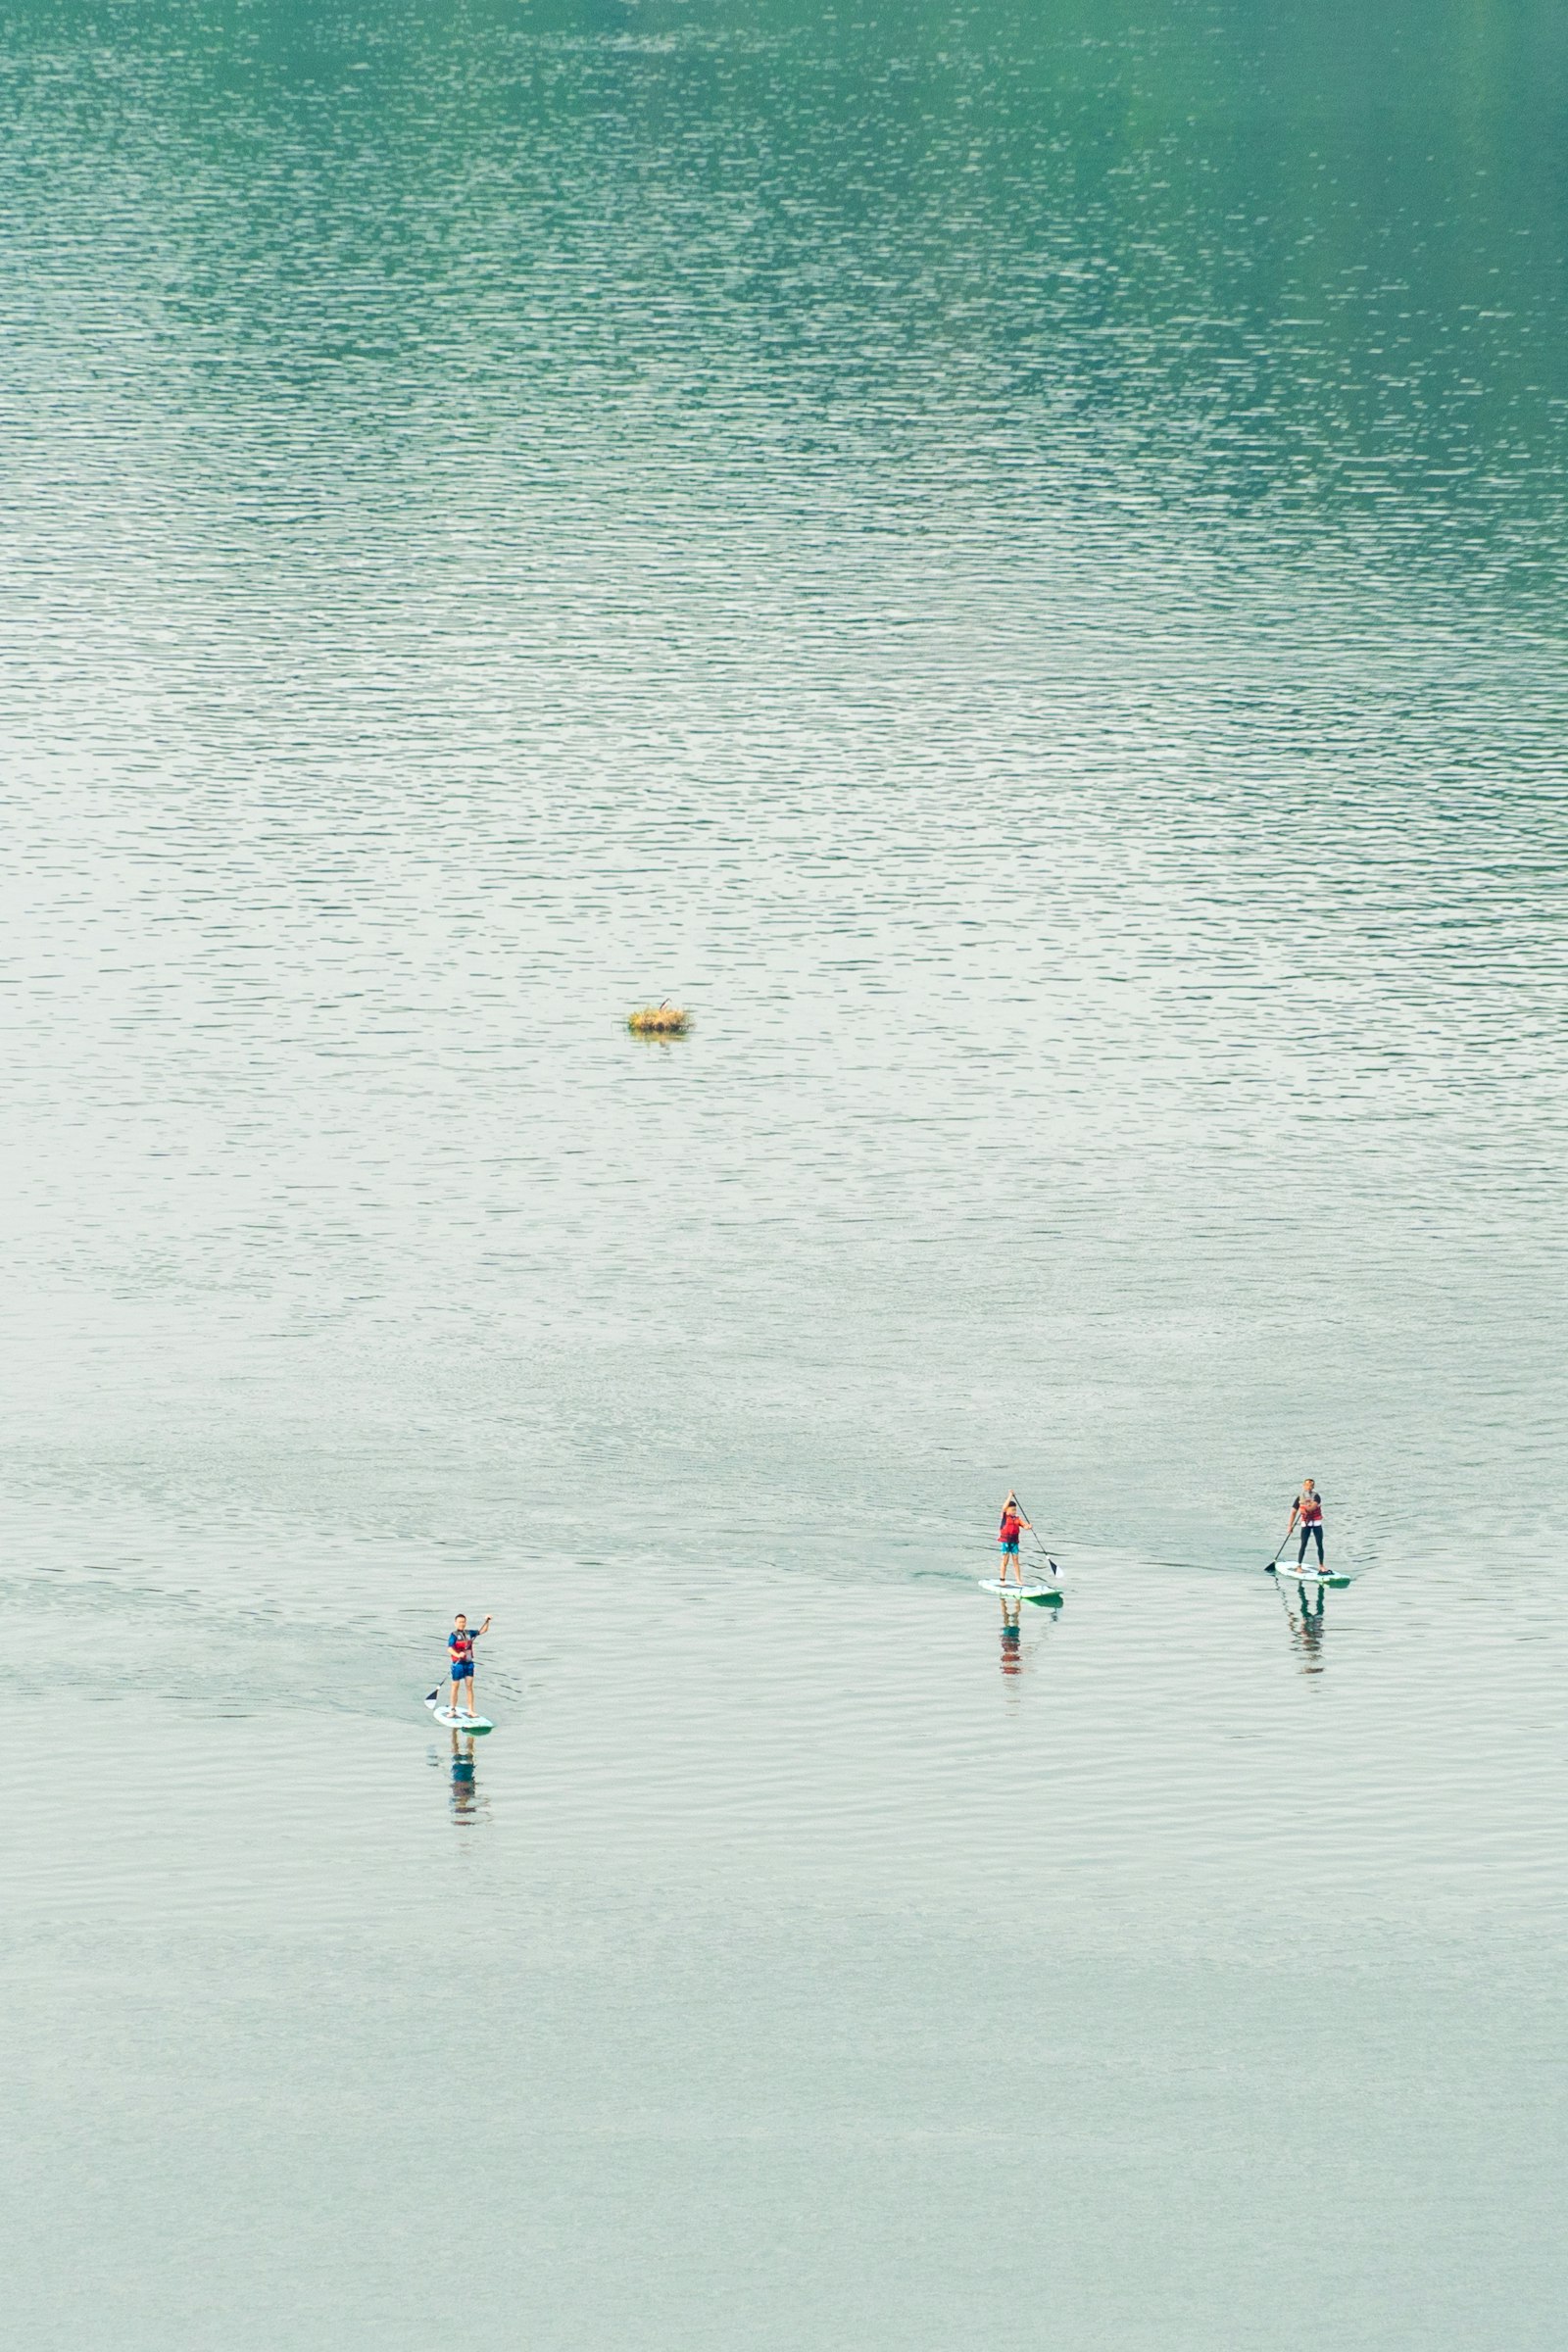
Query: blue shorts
x,y
462,1670
1010,1551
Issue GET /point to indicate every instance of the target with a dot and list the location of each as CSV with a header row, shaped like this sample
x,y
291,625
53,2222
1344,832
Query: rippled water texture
x,y
1014,560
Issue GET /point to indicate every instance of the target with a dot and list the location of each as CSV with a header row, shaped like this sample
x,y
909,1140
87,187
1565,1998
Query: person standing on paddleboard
x,y
1309,1509
460,1641
1013,1525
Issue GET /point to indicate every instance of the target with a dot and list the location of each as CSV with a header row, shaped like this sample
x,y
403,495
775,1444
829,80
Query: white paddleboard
x,y
461,1721
1310,1576
994,1584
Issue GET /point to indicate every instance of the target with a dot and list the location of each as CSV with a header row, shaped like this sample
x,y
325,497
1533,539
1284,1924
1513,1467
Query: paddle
x,y
431,1697
1271,1567
1045,1555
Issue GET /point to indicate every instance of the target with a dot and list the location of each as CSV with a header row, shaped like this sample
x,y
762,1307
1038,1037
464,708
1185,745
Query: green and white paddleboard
x,y
1309,1576
994,1584
459,1719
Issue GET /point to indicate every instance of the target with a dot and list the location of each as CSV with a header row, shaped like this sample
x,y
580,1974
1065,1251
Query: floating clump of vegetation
x,y
659,1020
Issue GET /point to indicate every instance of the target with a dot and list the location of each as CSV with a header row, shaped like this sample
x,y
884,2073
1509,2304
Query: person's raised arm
x,y
485,1628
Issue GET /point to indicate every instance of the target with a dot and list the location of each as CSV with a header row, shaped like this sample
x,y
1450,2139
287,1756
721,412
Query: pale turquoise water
x,y
1018,567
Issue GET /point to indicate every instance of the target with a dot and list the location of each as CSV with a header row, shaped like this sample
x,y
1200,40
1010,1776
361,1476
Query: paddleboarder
x,y
1014,1523
1307,1509
460,1641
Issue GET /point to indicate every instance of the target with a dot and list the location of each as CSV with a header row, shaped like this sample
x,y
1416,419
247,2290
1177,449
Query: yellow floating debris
x,y
658,1020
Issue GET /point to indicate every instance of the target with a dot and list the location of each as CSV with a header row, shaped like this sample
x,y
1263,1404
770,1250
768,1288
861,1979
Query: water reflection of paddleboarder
x,y
462,1774
1011,1637
1013,1525
1306,1621
1017,1654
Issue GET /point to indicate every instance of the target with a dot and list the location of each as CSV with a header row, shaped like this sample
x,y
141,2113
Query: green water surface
x,y
1013,559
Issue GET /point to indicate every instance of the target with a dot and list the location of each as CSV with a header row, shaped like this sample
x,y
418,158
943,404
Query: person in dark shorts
x,y
1307,1509
460,1641
1012,1524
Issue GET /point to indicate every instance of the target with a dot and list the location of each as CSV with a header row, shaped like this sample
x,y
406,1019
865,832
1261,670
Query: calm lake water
x,y
1014,560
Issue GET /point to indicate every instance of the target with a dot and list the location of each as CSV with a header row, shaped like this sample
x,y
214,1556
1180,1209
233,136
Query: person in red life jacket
x,y
460,1641
1309,1509
1013,1525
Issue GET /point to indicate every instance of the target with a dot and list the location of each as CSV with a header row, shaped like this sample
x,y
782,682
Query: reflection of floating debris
x,y
659,1020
